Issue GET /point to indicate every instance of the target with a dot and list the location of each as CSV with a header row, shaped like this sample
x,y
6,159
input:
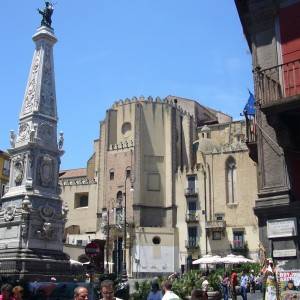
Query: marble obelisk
x,y
32,215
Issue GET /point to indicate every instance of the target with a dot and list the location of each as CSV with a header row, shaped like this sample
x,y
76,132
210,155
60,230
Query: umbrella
x,y
235,259
207,259
245,260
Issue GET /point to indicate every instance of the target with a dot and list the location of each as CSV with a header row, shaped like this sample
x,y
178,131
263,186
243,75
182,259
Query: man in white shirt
x,y
168,294
107,290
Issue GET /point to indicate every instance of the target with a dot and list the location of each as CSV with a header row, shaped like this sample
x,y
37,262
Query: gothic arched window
x,y
119,198
230,170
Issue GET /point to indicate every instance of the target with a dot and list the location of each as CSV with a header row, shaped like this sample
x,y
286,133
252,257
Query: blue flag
x,y
250,106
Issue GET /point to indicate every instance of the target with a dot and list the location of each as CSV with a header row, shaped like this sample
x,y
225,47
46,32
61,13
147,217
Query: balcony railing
x,y
217,225
192,243
277,83
191,216
189,192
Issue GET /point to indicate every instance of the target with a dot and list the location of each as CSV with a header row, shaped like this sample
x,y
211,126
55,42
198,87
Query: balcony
x,y
239,248
192,243
251,137
279,85
215,225
191,192
191,216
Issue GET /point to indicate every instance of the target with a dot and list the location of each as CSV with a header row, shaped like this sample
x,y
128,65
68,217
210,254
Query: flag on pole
x,y
249,113
250,106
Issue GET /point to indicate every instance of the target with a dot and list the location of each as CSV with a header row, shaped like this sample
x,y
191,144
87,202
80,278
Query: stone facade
x,y
219,196
154,147
273,34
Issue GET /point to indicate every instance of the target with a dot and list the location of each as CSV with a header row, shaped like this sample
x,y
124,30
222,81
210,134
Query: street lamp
x,y
124,271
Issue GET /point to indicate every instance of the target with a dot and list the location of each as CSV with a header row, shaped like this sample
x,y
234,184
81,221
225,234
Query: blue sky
x,y
114,49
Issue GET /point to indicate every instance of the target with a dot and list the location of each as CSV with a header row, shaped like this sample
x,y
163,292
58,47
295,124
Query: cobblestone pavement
x,y
256,296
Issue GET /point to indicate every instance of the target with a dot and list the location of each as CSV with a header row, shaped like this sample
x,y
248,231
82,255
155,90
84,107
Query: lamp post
x,y
124,270
107,244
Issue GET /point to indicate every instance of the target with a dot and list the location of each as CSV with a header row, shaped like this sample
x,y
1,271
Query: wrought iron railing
x,y
192,243
277,83
192,216
191,192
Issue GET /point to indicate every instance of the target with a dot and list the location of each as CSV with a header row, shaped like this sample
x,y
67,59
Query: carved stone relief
x,y
24,132
31,90
46,231
47,101
46,170
46,212
9,213
18,169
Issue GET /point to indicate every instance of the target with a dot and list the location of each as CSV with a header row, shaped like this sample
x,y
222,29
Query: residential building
x,y
273,34
177,155
217,217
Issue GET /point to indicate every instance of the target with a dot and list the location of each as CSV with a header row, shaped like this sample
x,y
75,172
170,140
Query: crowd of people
x,y
231,284
8,292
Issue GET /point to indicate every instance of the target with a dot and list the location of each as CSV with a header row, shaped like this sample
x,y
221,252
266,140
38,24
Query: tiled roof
x,y
72,173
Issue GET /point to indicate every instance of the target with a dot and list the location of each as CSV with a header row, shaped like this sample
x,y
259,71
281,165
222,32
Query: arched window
x,y
230,170
111,174
128,172
119,198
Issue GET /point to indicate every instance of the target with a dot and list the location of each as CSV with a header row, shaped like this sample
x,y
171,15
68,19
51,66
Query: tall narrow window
x,y
119,198
238,239
231,180
111,174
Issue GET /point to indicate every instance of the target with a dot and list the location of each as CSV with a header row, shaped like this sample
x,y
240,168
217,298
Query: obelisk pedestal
x,y
32,216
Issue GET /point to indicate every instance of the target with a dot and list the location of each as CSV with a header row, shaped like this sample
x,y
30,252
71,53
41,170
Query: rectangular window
x,y
81,200
128,173
6,168
119,220
111,175
238,239
192,236
216,235
192,183
192,232
2,190
192,205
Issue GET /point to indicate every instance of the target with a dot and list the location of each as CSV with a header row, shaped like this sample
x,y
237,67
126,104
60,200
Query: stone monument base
x,y
35,265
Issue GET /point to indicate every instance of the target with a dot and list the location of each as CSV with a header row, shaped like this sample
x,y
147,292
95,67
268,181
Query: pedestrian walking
x,y
225,286
270,276
6,292
252,282
168,294
107,290
81,293
18,292
233,284
205,284
155,293
244,285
